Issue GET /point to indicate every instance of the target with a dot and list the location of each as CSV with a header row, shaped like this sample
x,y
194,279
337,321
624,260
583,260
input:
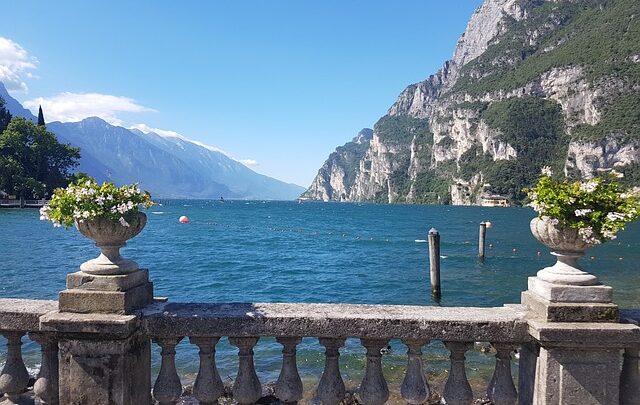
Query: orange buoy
x,y
184,219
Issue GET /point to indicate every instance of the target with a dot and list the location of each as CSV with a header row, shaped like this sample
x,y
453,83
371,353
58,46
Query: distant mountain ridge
x,y
167,166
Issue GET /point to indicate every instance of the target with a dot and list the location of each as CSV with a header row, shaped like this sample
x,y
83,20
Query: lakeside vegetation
x,y
32,161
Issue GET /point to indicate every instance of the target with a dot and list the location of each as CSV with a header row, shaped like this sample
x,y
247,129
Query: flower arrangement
x,y
598,208
85,200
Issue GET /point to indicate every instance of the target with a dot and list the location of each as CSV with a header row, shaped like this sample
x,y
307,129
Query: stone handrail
x,y
17,317
336,320
165,323
374,325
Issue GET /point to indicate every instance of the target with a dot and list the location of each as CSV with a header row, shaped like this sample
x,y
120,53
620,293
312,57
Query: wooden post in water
x,y
434,262
481,239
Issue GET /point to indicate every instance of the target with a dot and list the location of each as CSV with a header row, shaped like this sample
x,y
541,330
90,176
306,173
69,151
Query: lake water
x,y
254,251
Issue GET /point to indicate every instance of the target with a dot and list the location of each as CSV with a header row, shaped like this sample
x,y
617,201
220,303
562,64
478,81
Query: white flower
x,y
615,216
123,222
582,212
589,186
546,171
587,235
609,234
616,174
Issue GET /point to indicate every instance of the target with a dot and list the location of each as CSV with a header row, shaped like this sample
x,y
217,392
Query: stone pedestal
x,y
104,359
577,377
578,363
569,303
109,294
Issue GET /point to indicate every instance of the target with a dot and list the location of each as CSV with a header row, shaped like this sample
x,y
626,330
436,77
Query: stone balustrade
x,y
83,340
374,325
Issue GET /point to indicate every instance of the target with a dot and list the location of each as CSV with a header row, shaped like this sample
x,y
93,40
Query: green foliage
x,y
597,208
535,128
85,200
620,115
599,35
5,116
32,162
431,188
400,129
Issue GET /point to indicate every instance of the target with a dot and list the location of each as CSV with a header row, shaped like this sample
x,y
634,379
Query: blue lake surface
x,y
254,251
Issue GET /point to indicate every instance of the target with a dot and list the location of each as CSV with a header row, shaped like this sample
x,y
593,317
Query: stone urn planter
x,y
110,236
567,245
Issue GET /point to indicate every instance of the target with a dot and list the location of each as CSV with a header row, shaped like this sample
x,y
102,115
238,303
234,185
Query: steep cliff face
x,y
336,177
531,83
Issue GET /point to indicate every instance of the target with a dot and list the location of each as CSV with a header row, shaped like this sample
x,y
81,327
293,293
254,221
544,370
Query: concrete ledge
x,y
335,320
101,326
567,293
106,302
569,311
580,335
23,315
83,281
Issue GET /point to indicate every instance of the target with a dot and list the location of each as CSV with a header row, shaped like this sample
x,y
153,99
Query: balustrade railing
x,y
17,318
374,325
204,325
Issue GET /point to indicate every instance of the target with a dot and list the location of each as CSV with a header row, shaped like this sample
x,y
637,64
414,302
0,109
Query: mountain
x,y
169,167
531,83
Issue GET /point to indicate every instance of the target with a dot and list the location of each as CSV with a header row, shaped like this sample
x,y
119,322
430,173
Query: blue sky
x,y
278,84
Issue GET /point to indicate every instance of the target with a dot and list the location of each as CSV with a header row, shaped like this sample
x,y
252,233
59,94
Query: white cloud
x,y
249,162
15,64
73,107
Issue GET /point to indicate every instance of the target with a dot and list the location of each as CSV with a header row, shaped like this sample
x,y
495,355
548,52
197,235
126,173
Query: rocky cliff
x,y
531,83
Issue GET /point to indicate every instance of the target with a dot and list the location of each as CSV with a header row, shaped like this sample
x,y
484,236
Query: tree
x,y
32,161
5,116
40,117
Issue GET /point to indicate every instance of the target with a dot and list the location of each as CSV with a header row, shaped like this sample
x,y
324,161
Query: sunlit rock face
x,y
509,51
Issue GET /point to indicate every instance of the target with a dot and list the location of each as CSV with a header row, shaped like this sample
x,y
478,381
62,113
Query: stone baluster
x,y
630,377
331,388
208,386
501,390
289,385
46,386
14,377
247,388
373,389
457,390
415,388
167,389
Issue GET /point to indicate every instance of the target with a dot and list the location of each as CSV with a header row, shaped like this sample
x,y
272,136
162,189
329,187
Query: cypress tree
x,y
5,116
40,117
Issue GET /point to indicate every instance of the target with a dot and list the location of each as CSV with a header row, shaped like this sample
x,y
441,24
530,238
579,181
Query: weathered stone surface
x,y
23,315
119,282
584,335
569,312
561,293
107,302
90,325
335,320
105,372
577,377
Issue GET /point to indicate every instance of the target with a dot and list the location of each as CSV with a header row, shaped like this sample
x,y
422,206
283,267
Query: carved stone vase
x,y
568,246
110,236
